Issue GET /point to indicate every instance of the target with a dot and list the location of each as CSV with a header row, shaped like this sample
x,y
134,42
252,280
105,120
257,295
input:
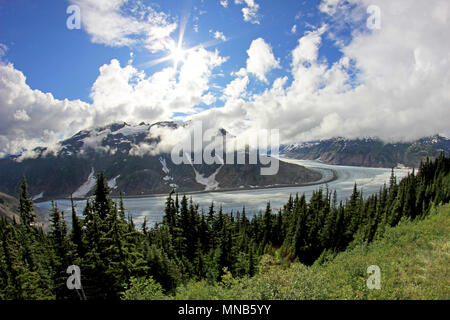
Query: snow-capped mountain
x,y
369,152
136,161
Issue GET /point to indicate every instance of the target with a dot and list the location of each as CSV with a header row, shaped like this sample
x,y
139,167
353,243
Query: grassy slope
x,y
414,258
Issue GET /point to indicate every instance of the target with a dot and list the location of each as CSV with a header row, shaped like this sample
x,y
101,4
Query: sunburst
x,y
175,49
177,54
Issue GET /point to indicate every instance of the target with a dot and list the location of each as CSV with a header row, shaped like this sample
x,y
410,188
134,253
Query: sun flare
x,y
177,54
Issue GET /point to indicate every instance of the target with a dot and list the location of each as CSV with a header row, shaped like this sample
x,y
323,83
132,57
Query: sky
x,y
311,69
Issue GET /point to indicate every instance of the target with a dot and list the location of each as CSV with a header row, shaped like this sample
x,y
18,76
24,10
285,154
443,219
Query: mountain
x,y
369,152
8,207
130,157
9,210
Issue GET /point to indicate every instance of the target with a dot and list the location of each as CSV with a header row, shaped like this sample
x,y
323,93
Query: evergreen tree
x,y
76,234
26,212
61,247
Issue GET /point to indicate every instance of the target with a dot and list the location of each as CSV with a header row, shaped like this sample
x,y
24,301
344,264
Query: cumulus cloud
x,y
31,118
236,87
125,23
308,47
21,115
224,3
128,94
391,83
250,11
261,59
208,98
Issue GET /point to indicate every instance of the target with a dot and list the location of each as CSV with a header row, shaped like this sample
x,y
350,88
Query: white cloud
x,y
224,3
3,50
329,6
31,118
126,93
219,35
391,83
261,59
294,29
236,87
125,23
308,47
21,115
250,12
208,99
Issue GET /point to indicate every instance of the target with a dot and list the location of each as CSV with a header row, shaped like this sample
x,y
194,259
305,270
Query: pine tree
x,y
60,245
26,212
102,204
76,234
267,227
251,263
144,226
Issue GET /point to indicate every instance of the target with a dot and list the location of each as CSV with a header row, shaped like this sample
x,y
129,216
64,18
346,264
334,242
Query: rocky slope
x,y
9,210
8,207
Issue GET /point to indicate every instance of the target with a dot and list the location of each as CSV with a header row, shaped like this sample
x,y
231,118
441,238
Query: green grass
x,y
414,259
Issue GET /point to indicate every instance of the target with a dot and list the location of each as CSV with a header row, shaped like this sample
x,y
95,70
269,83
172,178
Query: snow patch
x,y
112,183
84,189
39,196
132,130
210,182
297,146
166,170
164,165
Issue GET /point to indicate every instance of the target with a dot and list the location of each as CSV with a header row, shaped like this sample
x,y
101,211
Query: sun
x,y
177,54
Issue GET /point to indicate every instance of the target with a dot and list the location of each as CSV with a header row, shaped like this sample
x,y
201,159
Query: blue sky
x,y
311,69
65,62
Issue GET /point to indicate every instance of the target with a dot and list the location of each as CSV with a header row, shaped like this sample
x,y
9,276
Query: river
x,y
368,179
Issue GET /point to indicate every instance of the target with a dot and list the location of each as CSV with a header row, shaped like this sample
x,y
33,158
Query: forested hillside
x,y
119,261
413,258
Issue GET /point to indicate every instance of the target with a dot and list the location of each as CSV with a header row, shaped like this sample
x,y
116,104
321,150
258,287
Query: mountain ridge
x,y
136,161
369,152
